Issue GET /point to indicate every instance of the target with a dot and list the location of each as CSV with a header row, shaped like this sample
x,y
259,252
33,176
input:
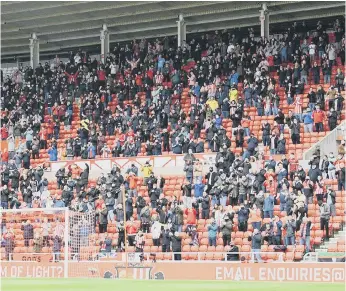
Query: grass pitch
x,y
129,285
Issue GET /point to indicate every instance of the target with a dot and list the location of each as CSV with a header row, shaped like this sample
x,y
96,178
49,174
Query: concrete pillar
x,y
34,51
104,43
264,19
181,30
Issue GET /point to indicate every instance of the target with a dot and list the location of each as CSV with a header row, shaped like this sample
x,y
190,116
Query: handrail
x,y
199,257
135,257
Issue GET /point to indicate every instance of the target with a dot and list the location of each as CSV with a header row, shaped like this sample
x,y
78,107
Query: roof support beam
x,y
104,43
181,30
34,51
264,19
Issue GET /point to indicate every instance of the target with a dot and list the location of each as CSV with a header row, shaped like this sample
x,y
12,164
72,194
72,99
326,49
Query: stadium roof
x,y
61,25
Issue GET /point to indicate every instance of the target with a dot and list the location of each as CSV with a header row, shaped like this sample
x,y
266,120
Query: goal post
x,y
48,235
66,249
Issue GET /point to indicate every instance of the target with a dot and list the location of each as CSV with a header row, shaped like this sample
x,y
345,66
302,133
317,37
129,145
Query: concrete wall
x,y
329,143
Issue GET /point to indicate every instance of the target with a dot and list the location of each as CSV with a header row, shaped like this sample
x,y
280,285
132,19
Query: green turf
x,y
129,285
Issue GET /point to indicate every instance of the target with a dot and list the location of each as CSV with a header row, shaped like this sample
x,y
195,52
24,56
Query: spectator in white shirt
x,y
312,50
331,54
230,48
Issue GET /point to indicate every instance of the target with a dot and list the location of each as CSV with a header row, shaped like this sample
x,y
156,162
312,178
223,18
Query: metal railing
x,y
136,257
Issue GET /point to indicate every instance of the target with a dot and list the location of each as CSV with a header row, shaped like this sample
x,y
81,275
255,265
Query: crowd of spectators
x,y
246,184
236,194
230,72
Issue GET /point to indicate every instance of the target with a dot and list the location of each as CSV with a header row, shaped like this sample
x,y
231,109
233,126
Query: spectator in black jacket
x,y
266,133
67,196
252,144
14,176
154,195
332,118
327,71
60,176
176,245
295,131
341,177
233,253
297,185
330,200
140,204
27,196
128,207
26,159
312,99
165,140
103,220
166,240
205,206
243,217
325,216
315,70
108,244
280,119
211,178
28,232
5,175
4,197
256,240
314,172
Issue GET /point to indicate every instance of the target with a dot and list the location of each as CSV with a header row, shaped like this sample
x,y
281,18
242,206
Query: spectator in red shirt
x,y
122,138
191,214
72,78
150,73
4,132
4,157
50,129
55,111
102,77
318,116
139,82
61,111
270,185
98,203
292,165
131,230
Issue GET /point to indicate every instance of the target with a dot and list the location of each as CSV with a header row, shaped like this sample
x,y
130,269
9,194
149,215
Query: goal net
x,y
36,235
48,237
84,245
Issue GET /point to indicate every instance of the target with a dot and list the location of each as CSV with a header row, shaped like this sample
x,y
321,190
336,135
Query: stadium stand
x,y
258,105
